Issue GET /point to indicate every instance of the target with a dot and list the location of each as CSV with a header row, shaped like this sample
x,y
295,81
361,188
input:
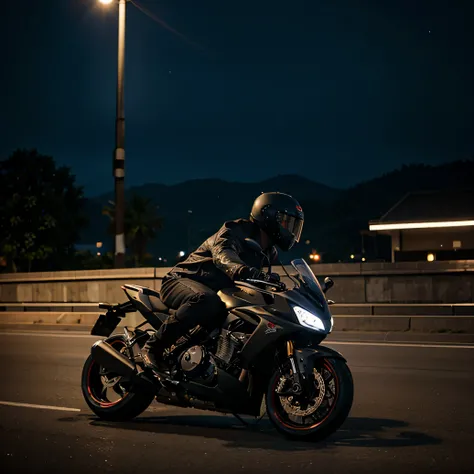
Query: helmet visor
x,y
292,224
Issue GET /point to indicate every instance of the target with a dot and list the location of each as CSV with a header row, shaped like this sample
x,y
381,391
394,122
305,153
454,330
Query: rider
x,y
191,286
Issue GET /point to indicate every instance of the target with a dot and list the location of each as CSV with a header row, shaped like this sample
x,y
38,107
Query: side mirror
x,y
254,245
328,284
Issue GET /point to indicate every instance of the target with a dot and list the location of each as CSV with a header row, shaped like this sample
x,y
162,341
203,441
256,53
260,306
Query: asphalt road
x,y
413,412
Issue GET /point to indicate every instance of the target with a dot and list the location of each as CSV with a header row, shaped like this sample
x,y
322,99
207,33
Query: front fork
x,y
294,384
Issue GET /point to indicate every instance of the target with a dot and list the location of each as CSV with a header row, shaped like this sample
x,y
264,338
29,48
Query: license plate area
x,y
105,325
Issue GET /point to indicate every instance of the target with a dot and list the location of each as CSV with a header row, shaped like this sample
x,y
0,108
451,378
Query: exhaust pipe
x,y
105,355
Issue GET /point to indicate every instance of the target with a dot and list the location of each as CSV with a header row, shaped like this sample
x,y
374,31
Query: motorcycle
x,y
265,358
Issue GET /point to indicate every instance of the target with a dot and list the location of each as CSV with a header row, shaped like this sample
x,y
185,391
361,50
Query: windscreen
x,y
308,277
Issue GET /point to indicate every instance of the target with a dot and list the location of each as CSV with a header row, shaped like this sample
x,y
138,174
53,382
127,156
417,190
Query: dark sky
x,y
339,91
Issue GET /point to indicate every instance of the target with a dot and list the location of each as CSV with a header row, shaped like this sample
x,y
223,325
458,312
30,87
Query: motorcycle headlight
x,y
308,319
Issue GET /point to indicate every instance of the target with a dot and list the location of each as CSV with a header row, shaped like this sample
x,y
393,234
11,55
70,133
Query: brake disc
x,y
291,404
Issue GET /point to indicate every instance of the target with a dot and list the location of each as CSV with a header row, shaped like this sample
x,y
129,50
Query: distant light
x,y
421,225
311,256
430,257
106,2
308,242
363,259
352,256
98,253
98,245
182,253
160,259
316,257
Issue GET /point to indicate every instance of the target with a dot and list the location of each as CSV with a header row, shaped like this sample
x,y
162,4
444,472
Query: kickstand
x,y
240,419
258,420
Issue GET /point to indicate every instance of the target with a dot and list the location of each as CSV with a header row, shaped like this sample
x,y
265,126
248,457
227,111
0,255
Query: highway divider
x,y
456,319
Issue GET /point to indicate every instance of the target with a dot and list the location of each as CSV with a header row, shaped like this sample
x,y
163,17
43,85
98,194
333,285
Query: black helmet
x,y
280,216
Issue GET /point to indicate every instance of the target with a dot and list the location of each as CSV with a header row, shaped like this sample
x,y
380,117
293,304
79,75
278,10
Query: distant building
x,y
430,226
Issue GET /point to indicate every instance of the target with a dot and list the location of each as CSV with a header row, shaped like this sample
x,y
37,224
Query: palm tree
x,y
141,224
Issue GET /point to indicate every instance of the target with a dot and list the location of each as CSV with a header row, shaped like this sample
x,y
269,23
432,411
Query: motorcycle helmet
x,y
280,216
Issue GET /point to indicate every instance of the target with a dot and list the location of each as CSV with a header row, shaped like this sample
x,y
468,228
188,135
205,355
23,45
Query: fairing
x,y
307,294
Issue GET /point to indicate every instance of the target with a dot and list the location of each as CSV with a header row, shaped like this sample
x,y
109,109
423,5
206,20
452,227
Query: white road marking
x,y
48,334
42,407
420,344
401,344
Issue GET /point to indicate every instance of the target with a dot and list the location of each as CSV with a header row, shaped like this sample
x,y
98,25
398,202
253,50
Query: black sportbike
x,y
266,357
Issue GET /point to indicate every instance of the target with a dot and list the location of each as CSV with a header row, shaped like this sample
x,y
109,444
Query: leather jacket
x,y
224,256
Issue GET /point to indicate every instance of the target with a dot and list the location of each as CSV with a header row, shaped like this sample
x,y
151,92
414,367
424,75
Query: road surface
x,y
413,412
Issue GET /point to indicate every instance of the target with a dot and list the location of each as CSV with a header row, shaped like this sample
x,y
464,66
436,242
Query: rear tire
x,y
337,412
131,403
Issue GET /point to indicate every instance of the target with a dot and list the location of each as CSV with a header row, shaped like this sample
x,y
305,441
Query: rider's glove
x,y
251,273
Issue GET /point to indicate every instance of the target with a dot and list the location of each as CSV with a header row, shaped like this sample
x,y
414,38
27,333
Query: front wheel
x,y
317,415
108,395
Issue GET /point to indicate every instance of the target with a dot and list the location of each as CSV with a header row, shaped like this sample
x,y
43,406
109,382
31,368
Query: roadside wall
x,y
376,283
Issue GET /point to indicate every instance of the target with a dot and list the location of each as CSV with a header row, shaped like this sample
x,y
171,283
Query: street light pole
x,y
119,153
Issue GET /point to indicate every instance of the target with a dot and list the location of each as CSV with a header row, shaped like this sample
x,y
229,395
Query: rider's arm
x,y
225,253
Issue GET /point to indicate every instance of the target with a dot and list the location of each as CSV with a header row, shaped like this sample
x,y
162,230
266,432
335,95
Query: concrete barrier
x,y
62,318
372,323
414,324
395,309
375,283
438,324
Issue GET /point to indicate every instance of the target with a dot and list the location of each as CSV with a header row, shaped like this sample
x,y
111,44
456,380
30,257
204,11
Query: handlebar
x,y
278,285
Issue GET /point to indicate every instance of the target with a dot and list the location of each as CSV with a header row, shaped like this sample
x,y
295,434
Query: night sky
x,y
339,91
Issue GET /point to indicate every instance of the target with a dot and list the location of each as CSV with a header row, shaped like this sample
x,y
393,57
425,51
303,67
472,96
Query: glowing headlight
x,y
308,319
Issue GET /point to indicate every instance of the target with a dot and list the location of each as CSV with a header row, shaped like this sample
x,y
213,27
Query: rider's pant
x,y
196,304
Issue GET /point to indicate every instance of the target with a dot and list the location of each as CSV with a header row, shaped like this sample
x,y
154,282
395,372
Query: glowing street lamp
x,y
119,152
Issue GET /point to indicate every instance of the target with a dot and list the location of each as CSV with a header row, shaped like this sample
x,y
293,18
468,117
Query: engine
x,y
228,343
197,363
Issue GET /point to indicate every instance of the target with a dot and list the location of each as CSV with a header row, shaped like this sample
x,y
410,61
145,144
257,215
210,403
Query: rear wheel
x,y
109,395
313,415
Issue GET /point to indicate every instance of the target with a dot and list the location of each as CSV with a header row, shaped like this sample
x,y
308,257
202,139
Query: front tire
x,y
319,418
126,404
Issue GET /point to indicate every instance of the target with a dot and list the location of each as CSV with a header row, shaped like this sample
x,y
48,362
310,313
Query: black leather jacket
x,y
221,259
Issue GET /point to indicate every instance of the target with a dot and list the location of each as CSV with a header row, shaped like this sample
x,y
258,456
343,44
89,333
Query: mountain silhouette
x,y
212,201
333,217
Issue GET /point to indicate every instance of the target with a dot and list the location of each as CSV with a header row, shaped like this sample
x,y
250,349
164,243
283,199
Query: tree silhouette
x,y
141,225
40,212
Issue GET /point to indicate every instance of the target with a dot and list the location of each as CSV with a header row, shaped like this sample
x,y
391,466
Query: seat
x,y
157,305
